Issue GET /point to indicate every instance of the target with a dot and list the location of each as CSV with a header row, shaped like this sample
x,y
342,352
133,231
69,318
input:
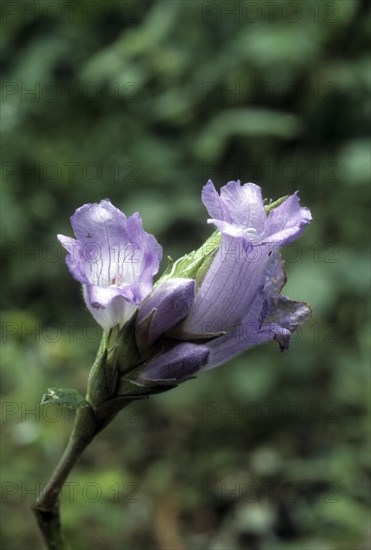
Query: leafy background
x,y
142,103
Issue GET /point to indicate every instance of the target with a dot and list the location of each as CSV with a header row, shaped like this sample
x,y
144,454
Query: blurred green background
x,y
142,103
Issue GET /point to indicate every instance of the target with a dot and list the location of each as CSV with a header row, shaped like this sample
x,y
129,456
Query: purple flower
x,y
114,259
239,212
238,304
249,238
177,364
268,317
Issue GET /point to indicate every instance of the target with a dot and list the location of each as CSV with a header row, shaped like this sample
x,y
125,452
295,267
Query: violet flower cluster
x,y
209,306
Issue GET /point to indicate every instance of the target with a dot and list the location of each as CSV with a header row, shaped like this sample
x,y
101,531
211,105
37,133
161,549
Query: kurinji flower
x,y
269,316
114,259
207,307
249,237
238,303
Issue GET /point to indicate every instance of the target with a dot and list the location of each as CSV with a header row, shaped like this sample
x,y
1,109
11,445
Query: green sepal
x,y
271,205
195,264
102,377
65,397
124,353
143,331
133,389
137,385
170,263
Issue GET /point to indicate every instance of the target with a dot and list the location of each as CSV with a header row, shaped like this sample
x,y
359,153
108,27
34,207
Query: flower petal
x,y
286,222
288,313
146,251
269,317
229,228
113,257
75,259
116,311
100,230
214,204
239,206
247,335
116,249
229,287
239,338
245,204
275,276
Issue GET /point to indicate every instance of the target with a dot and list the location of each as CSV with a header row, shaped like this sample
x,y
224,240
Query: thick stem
x,y
46,508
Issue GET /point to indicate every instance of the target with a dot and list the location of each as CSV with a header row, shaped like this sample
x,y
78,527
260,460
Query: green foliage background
x,y
142,103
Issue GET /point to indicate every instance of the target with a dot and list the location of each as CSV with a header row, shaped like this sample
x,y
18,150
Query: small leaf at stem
x,y
66,397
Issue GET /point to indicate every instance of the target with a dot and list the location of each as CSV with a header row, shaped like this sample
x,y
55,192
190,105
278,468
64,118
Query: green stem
x,y
46,508
88,423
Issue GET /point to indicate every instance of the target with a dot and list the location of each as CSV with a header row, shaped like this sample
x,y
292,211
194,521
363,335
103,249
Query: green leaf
x,y
66,397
